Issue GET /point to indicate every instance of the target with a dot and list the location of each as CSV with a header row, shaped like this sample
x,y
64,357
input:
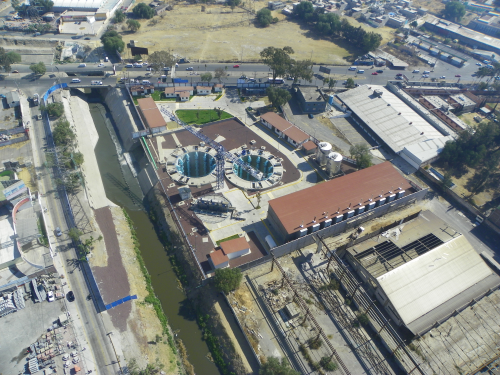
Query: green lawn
x,y
158,96
234,236
200,116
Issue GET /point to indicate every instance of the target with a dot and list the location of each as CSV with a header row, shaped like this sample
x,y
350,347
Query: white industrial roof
x,y
427,150
430,280
389,117
78,4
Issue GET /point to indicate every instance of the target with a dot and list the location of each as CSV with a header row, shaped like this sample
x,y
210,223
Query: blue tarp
x,y
120,301
52,89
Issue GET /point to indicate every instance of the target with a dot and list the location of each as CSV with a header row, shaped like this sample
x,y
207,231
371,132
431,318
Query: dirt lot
x,y
142,322
221,35
434,6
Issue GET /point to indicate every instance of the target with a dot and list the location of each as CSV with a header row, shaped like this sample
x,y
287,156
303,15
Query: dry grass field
x,y
434,6
220,35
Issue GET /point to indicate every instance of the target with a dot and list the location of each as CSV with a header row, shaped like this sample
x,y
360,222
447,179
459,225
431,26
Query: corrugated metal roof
x,y
428,149
79,4
388,116
425,283
342,194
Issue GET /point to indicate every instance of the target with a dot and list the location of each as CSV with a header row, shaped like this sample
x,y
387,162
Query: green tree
x,y
119,16
219,74
78,158
264,17
371,41
278,59
227,279
361,153
301,70
328,364
447,181
414,24
233,3
482,85
454,10
8,58
113,44
75,233
53,109
350,83
142,10
331,83
304,10
62,134
39,68
278,96
206,77
273,366
133,25
161,59
46,5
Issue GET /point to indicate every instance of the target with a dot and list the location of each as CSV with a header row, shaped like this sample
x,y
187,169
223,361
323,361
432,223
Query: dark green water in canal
x,y
123,189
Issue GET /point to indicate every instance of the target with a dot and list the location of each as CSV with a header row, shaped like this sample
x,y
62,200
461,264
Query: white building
x,y
203,90
423,153
231,249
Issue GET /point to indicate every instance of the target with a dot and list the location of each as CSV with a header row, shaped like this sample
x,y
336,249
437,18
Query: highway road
x,y
102,359
251,70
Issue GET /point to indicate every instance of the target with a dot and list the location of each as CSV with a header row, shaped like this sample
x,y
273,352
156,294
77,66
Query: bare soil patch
x,y
217,34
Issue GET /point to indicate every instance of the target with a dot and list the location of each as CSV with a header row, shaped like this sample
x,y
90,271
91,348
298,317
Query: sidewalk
x,y
87,356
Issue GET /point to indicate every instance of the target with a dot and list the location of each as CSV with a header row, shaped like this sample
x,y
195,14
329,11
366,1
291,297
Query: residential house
x,y
142,90
203,90
218,87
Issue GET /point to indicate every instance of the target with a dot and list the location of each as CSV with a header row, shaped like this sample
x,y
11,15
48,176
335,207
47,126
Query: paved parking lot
x,y
21,329
352,131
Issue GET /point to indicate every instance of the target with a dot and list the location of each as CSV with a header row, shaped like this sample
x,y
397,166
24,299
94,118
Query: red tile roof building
x,y
285,129
328,203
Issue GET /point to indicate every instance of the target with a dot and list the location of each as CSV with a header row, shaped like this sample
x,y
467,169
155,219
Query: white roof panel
x,y
78,4
428,149
426,282
388,116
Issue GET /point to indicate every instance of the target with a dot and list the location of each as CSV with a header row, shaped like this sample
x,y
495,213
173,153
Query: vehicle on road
x,y
149,69
82,65
96,82
36,99
374,74
486,61
425,76
427,71
458,75
190,68
145,63
361,71
442,77
101,65
416,71
310,115
352,68
236,66
399,74
479,64
15,71
86,38
76,80
50,296
71,296
58,232
399,77
137,65
129,66
277,80
145,82
380,71
38,117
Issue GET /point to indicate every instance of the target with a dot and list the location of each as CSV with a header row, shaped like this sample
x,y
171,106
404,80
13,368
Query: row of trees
x,y
333,26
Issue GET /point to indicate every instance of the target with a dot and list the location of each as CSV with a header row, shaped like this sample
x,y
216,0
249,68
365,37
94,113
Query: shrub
x,y
315,342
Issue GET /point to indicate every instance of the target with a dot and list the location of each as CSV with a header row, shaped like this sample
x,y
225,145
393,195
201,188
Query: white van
x,y
426,71
145,82
83,65
96,83
76,80
352,68
129,66
361,71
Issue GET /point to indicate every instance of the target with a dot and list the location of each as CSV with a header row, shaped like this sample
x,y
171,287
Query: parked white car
x,y
50,296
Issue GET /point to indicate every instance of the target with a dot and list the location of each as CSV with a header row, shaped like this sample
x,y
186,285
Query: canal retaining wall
x,y
124,114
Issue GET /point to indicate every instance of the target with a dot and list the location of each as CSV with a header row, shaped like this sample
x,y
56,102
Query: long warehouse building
x,y
306,211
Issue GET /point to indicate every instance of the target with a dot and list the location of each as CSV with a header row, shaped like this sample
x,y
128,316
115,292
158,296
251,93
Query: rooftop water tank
x,y
324,149
333,162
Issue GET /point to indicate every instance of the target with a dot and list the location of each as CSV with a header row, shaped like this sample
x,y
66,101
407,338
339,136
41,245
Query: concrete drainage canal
x,y
123,189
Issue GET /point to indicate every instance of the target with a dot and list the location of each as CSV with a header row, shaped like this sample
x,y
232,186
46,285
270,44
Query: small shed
x,y
218,259
12,98
309,147
235,248
292,311
484,111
